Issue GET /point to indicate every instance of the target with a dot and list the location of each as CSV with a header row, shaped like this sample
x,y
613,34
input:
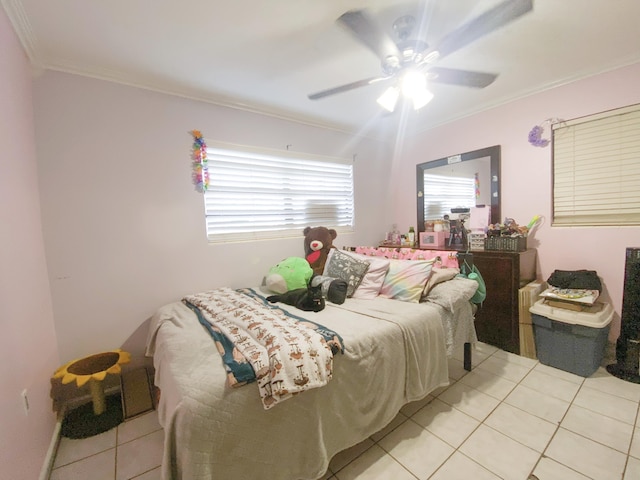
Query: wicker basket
x,y
507,244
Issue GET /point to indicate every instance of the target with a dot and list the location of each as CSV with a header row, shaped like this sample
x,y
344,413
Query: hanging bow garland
x,y
200,174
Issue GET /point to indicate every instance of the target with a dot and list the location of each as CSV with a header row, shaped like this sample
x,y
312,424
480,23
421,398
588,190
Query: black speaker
x,y
627,364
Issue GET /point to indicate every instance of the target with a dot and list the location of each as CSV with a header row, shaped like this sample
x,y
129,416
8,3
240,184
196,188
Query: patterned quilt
x,y
261,342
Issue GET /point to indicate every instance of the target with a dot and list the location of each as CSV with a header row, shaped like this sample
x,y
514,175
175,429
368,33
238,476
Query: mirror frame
x,y
494,155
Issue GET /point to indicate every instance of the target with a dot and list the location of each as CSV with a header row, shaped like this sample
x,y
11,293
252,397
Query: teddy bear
x,y
317,243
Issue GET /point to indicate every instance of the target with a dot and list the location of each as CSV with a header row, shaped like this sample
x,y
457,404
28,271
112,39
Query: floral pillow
x,y
351,270
406,279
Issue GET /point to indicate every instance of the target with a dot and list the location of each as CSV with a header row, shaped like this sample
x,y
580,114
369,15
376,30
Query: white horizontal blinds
x,y
259,196
596,169
442,193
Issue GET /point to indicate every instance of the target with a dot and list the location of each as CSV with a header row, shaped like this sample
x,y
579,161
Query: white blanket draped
x,y
287,357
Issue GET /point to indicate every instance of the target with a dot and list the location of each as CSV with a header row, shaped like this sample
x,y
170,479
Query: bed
x,y
395,352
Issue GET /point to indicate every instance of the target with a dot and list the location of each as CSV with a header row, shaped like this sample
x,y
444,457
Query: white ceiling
x,y
268,55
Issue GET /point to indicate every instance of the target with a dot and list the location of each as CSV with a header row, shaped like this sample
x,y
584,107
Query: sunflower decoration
x,y
94,367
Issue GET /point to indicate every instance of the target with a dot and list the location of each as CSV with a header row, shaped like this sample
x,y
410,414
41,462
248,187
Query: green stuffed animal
x,y
290,274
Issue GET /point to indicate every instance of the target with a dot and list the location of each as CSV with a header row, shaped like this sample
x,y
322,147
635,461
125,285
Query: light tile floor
x,y
509,418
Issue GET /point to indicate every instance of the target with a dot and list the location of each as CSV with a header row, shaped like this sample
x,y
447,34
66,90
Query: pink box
x,y
432,239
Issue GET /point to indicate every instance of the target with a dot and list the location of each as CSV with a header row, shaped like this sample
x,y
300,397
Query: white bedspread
x,y
395,352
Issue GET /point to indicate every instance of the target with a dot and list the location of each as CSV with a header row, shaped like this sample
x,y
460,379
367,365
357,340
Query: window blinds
x,y
253,195
596,169
445,193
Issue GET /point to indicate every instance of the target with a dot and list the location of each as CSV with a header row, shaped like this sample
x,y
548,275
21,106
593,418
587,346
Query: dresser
x,y
504,273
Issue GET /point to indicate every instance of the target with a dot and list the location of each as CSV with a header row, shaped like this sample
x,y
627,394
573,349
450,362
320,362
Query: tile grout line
x,y
543,453
633,433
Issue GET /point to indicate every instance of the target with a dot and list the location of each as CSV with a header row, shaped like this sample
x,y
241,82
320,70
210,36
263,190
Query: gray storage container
x,y
569,340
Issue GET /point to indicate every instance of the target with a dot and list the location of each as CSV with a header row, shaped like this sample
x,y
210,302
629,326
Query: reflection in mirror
x,y
458,182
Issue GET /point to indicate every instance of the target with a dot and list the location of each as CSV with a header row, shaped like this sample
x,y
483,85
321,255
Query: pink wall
x,y
28,348
124,228
526,174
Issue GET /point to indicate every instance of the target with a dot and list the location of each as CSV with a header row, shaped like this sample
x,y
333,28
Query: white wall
x,y
124,228
28,349
526,174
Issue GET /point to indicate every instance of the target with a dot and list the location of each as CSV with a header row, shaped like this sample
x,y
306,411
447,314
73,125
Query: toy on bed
x,y
294,281
292,273
318,241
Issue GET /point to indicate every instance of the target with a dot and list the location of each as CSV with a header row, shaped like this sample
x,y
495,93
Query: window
x,y
596,169
256,195
445,193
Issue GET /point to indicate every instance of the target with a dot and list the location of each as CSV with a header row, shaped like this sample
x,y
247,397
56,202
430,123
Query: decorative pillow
x,y
373,279
439,275
448,294
406,279
351,270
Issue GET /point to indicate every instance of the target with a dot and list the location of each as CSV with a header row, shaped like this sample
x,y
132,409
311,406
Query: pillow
x,y
439,275
449,294
373,279
406,279
342,266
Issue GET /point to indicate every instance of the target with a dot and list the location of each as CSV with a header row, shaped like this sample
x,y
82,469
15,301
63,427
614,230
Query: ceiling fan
x,y
411,59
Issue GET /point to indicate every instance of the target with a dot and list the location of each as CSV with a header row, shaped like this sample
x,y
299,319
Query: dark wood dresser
x,y
497,320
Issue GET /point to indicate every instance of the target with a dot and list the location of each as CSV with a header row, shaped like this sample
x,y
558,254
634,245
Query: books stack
x,y
570,298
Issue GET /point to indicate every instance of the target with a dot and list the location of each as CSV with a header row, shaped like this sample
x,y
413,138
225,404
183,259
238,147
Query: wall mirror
x,y
467,179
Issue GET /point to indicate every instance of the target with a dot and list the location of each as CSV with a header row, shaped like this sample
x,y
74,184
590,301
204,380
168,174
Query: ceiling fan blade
x,y
463,78
490,20
346,88
365,29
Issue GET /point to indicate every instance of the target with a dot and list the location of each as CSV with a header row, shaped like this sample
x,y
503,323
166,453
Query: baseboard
x,y
50,457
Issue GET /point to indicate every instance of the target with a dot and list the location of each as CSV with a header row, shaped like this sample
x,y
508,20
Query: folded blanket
x,y
287,354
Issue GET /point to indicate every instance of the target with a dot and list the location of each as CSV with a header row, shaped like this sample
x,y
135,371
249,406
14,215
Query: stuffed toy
x,y
292,273
317,243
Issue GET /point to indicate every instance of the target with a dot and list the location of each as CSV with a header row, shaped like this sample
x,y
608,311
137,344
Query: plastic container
x,y
570,340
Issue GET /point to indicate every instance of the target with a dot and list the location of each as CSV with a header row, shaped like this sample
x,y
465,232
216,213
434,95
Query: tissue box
x,y
432,239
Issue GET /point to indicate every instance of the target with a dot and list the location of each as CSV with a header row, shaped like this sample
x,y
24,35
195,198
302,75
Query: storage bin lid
x,y
597,316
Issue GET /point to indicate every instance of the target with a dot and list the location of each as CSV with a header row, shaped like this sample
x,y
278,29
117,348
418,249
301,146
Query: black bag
x,y
576,280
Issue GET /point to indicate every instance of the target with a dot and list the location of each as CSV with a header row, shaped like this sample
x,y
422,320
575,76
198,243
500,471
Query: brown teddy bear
x,y
317,243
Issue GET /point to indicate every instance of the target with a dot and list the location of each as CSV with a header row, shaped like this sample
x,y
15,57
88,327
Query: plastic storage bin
x,y
569,340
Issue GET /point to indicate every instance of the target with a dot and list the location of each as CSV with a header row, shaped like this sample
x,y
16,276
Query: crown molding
x,y
21,25
123,78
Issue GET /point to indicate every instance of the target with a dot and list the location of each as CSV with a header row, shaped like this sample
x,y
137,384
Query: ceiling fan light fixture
x,y
389,99
421,98
413,82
